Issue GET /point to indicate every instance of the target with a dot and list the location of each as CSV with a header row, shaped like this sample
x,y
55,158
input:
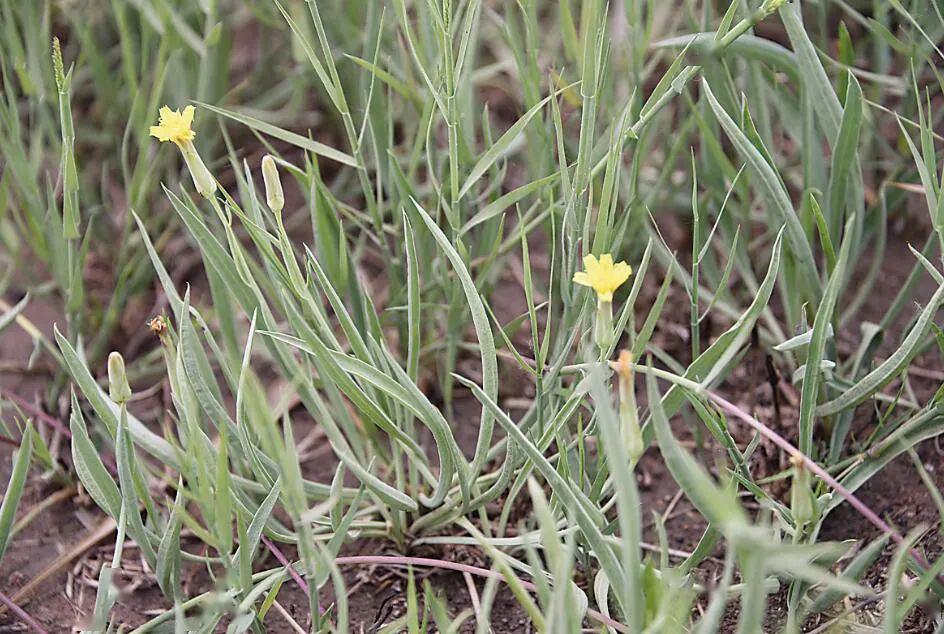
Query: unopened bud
x,y
801,494
118,387
273,184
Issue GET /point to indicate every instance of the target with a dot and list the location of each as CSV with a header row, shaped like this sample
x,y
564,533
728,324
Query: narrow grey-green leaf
x,y
14,491
89,467
891,367
589,526
844,158
502,145
284,135
483,332
719,506
167,570
824,317
506,200
7,318
774,191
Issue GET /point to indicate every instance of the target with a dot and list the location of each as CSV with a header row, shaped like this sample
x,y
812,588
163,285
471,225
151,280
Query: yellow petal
x,y
174,125
582,278
603,275
622,272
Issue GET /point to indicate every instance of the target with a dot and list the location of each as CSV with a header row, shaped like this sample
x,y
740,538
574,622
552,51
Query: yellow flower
x,y
603,275
174,125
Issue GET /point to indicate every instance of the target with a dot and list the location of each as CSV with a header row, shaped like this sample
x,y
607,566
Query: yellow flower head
x,y
174,125
603,275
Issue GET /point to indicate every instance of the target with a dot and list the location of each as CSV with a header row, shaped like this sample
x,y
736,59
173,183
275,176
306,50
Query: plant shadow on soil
x,y
65,597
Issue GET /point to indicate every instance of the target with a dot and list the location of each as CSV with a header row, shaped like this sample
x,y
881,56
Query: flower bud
x,y
801,494
118,388
273,184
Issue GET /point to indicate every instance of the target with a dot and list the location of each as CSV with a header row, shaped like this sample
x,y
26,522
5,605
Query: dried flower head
x,y
157,325
623,365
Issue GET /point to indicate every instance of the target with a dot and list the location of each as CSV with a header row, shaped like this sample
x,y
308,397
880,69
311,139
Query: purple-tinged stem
x,y
52,421
288,565
21,614
834,484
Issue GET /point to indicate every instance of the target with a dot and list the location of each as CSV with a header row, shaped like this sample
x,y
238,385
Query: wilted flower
x,y
157,325
628,414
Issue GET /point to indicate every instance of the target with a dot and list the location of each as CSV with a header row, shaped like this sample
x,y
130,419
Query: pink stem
x,y
288,566
21,614
54,422
37,412
834,484
452,565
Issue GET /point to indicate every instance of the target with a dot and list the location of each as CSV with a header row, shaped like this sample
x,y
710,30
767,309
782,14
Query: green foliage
x,y
444,166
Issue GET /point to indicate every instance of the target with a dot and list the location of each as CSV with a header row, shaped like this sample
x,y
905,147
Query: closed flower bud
x,y
273,184
118,387
801,493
